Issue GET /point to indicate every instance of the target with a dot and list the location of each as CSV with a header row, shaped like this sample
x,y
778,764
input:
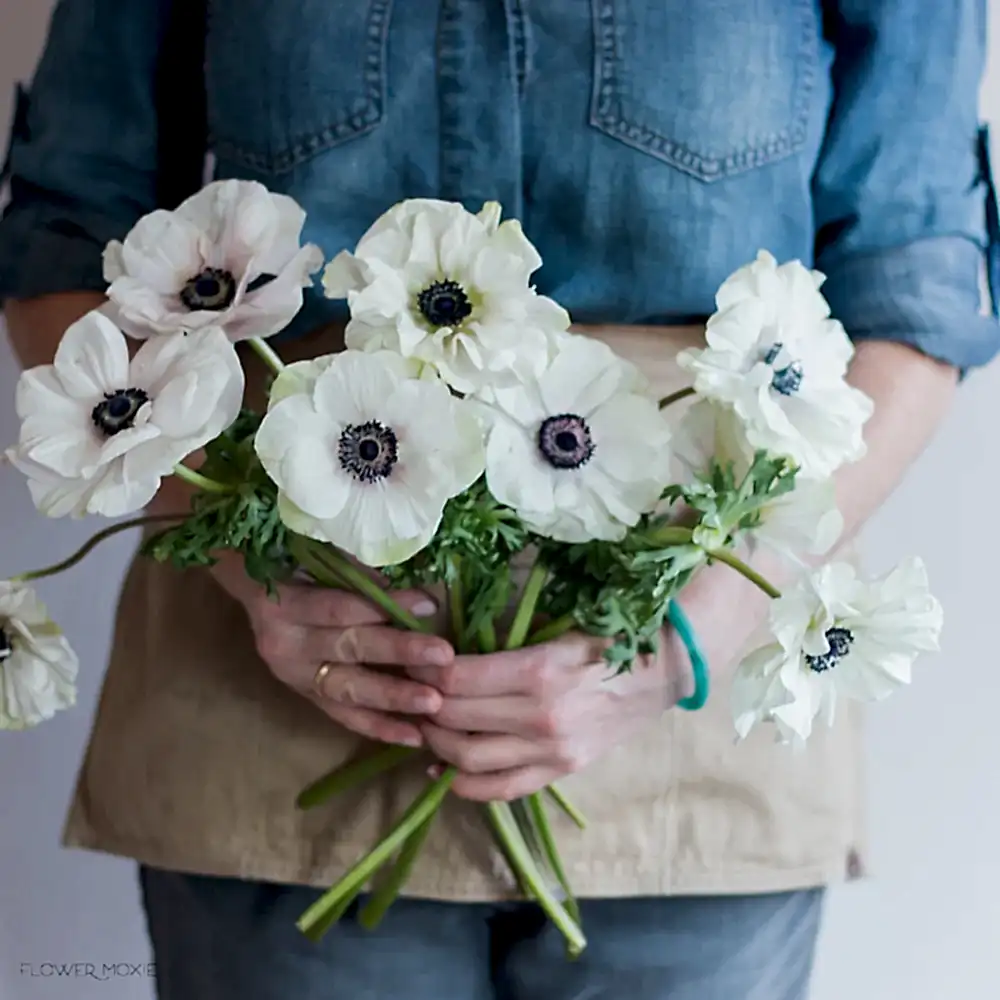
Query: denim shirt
x,y
650,147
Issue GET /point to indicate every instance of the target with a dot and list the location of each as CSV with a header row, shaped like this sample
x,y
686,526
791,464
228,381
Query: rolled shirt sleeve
x,y
903,195
93,147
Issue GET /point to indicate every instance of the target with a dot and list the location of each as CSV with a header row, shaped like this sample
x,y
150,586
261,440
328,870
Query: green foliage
x,y
473,548
623,589
619,589
727,504
245,520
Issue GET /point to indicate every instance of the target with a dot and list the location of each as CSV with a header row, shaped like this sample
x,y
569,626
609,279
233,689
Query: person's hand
x,y
513,723
365,688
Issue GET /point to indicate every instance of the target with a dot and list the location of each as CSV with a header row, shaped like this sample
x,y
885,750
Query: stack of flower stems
x,y
522,828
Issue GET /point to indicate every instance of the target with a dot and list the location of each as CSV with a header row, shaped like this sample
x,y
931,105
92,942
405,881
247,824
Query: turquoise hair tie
x,y
699,665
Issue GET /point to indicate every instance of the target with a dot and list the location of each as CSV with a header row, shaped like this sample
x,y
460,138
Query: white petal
x,y
299,378
355,387
195,383
803,521
366,527
270,308
298,450
582,376
161,253
344,274
36,682
116,494
92,358
515,473
53,495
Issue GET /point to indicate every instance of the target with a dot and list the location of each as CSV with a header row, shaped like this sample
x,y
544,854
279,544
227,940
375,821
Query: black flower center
x,y
368,451
787,380
444,303
840,641
6,645
565,441
214,289
116,412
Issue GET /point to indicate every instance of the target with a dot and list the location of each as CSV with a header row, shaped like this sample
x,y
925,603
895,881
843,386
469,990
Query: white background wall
x,y
925,927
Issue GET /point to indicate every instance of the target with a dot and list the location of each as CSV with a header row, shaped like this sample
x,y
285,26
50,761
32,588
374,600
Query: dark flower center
x,y
368,451
840,641
6,645
787,380
565,441
444,303
117,411
214,289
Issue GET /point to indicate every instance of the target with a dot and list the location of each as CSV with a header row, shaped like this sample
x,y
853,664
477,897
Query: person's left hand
x,y
513,723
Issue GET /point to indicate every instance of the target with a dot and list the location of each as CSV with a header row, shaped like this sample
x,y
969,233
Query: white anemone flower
x,y
434,282
227,257
837,636
580,452
803,521
38,667
366,453
779,361
99,432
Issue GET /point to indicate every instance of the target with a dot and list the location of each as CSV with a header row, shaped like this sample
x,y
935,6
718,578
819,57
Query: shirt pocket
x,y
288,79
713,87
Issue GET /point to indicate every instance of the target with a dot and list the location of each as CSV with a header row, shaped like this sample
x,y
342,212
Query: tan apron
x,y
197,754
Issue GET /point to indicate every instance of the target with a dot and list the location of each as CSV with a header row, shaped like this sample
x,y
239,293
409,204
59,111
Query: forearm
x,y
912,394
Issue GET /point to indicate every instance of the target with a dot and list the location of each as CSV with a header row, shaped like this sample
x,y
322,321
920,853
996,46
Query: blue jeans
x,y
223,939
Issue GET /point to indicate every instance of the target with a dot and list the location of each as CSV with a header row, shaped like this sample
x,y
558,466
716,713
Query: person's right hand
x,y
365,690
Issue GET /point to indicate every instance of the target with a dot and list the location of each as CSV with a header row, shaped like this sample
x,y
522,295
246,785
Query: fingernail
x,y
435,771
425,703
436,656
410,741
425,608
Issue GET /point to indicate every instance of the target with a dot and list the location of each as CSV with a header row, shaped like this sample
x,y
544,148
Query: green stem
x,y
424,807
352,774
319,929
320,572
92,543
676,397
513,842
302,548
487,636
536,807
670,535
741,567
552,630
267,354
375,909
525,613
567,806
456,605
202,482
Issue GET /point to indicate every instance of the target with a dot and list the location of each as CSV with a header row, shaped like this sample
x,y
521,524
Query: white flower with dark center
x,y
837,636
580,452
779,361
803,521
228,257
365,453
99,432
38,668
434,282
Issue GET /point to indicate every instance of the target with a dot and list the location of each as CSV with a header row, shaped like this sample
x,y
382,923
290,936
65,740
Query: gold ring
x,y
321,676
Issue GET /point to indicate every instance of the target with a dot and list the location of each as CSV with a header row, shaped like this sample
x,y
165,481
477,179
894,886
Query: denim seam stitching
x,y
368,118
607,116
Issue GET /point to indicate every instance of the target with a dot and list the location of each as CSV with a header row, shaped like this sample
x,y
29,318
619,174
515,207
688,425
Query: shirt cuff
x,y
45,250
926,294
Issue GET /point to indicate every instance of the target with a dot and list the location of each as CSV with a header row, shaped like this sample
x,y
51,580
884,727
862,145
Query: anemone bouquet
x,y
466,438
